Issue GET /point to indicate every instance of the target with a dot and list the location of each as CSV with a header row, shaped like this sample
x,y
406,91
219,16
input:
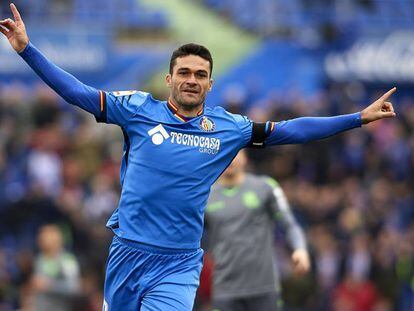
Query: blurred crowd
x,y
316,21
57,168
120,14
353,195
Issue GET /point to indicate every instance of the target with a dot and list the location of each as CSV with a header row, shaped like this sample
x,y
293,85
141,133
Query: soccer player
x,y
174,151
241,213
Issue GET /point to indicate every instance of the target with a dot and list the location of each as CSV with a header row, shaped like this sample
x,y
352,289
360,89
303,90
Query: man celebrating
x,y
174,151
239,220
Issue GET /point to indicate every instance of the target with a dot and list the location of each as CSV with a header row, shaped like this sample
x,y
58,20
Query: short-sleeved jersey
x,y
168,166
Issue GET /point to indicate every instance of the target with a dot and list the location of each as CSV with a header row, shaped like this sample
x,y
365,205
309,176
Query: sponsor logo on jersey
x,y
207,125
209,145
158,134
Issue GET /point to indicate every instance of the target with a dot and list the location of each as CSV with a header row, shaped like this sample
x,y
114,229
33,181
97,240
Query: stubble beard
x,y
188,105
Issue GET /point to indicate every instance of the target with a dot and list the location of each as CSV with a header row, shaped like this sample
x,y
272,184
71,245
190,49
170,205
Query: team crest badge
x,y
207,125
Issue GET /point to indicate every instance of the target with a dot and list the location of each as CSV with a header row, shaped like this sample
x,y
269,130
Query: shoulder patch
x,y
123,93
122,97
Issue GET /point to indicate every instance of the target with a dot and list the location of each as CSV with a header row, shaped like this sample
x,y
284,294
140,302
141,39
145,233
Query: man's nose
x,y
191,80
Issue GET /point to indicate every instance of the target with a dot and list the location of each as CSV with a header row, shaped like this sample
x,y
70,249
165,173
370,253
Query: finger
x,y
4,31
387,107
300,268
390,114
299,263
9,24
3,27
388,94
16,13
302,264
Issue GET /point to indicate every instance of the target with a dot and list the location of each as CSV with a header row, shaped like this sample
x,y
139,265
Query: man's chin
x,y
190,104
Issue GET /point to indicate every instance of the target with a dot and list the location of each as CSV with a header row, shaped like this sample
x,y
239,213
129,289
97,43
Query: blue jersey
x,y
168,166
170,162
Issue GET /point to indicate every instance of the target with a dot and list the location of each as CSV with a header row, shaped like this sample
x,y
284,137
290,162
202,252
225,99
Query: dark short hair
x,y
191,49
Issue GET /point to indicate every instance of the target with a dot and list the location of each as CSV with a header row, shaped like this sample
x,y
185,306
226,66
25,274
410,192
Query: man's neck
x,y
233,181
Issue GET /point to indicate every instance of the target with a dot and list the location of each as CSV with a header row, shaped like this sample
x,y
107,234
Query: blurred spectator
x,y
44,170
56,280
405,272
358,260
100,203
354,295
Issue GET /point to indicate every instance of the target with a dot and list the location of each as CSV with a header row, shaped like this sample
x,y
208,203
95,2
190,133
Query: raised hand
x,y
380,109
15,31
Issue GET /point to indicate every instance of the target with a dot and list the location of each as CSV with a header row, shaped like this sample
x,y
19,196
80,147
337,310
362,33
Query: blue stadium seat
x,y
102,13
264,16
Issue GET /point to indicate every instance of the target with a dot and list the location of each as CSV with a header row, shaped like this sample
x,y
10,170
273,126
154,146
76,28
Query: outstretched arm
x,y
302,130
67,86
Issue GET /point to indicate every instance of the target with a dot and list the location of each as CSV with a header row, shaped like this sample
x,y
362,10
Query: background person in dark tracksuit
x,y
240,219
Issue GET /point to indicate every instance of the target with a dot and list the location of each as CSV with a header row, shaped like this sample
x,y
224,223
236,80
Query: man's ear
x,y
168,80
210,86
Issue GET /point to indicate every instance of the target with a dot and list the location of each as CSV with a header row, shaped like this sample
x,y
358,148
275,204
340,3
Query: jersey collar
x,y
173,108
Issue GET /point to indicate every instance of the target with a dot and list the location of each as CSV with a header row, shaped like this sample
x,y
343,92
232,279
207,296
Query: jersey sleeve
x,y
63,83
302,130
245,126
281,212
108,107
119,107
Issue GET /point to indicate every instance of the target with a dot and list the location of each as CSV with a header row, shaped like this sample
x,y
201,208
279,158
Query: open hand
x,y
380,109
15,31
